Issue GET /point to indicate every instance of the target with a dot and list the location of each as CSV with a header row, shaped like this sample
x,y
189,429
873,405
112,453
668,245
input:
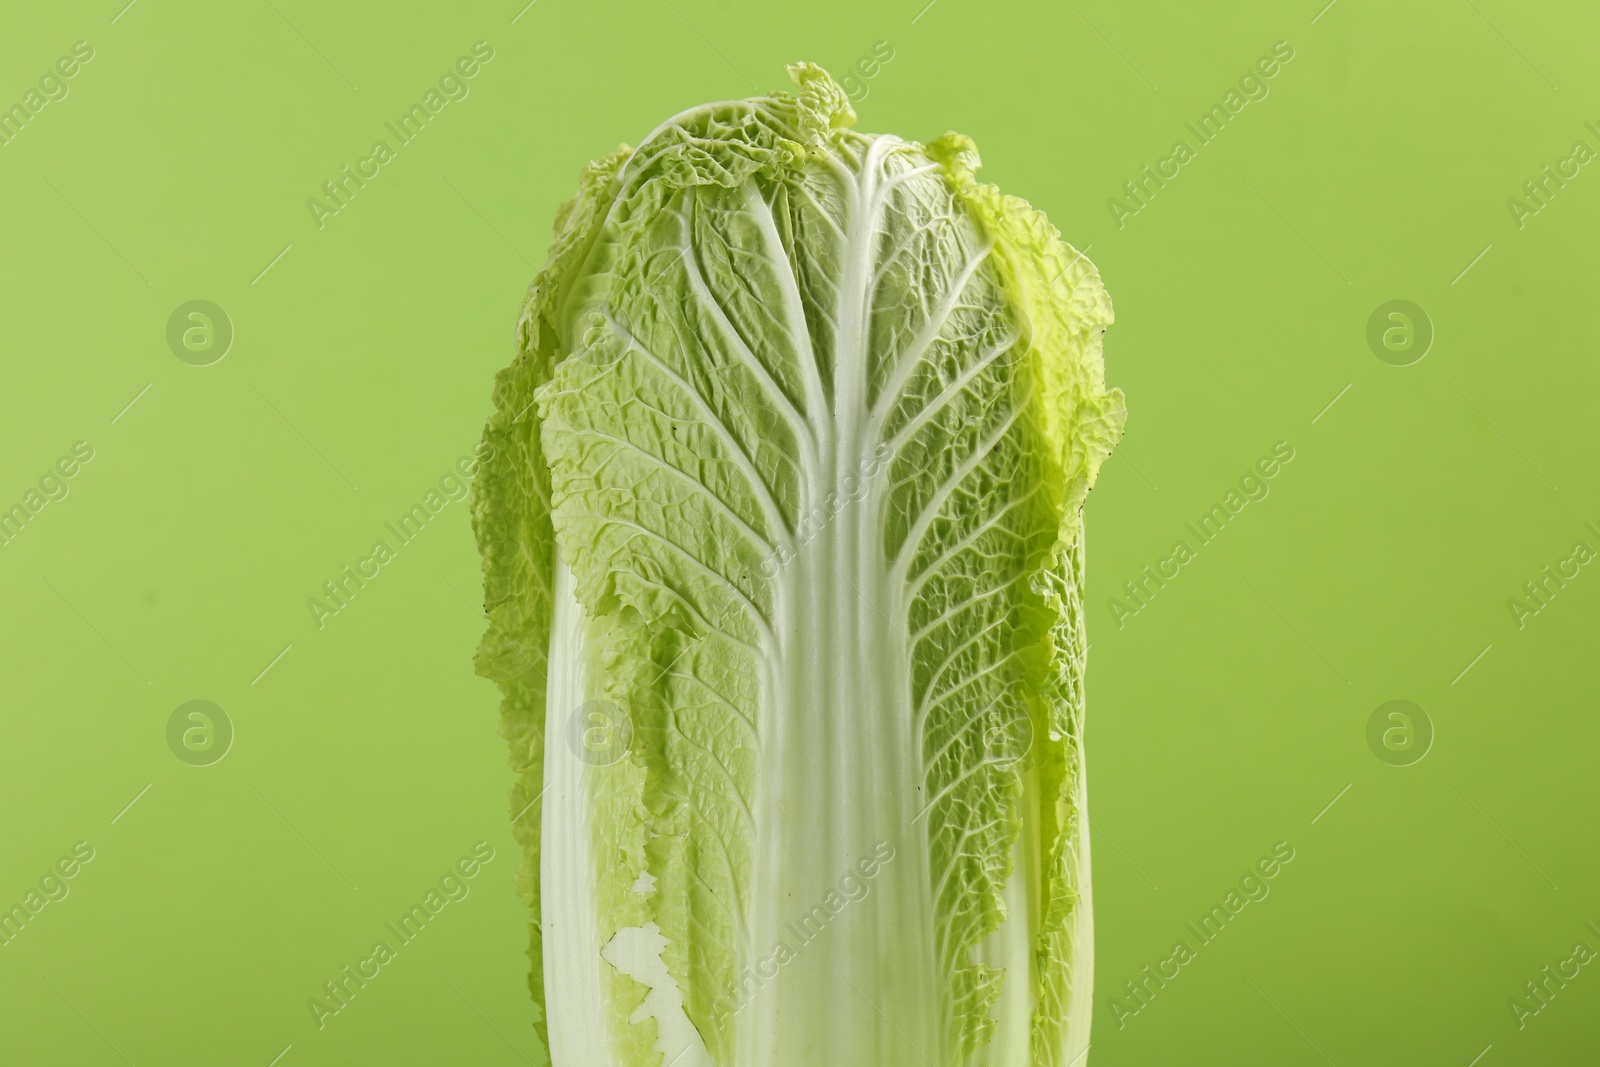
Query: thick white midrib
x,y
1080,1001
848,680
862,231
1080,1010
839,774
575,991
1011,945
875,696
839,765
579,1008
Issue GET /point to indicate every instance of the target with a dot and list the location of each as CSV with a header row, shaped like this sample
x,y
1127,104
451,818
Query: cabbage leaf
x,y
783,554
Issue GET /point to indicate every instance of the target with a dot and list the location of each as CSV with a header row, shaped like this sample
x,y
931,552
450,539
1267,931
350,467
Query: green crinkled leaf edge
x,y
511,522
1061,297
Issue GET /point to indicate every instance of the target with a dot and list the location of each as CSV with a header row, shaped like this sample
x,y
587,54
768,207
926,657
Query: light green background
x,y
1224,717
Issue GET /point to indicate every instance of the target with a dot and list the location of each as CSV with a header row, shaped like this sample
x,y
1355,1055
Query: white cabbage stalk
x,y
784,565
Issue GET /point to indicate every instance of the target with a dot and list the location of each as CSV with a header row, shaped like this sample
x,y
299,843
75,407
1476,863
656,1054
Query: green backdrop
x,y
180,509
